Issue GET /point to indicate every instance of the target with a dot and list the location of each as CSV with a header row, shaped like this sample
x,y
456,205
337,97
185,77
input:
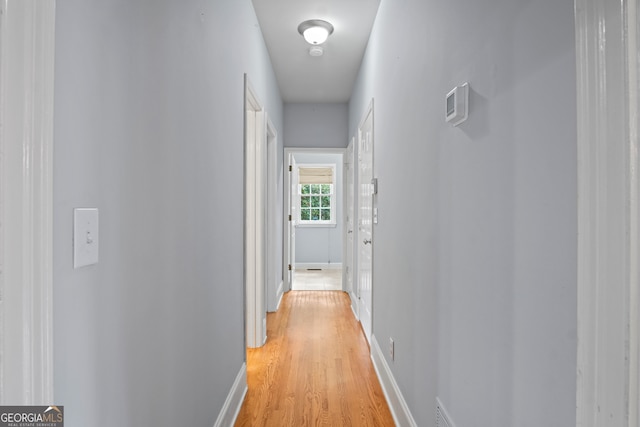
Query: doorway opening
x,y
314,220
263,279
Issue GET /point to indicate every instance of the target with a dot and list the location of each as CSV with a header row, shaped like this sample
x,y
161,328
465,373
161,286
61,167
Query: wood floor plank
x,y
315,369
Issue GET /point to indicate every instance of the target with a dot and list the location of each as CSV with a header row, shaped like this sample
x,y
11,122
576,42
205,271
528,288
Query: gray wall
x,y
322,244
478,289
149,129
316,125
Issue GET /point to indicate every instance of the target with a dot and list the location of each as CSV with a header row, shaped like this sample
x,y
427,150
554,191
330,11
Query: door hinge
x,y
289,267
290,168
290,218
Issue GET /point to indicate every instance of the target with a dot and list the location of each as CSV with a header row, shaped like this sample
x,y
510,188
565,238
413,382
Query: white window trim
x,y
311,223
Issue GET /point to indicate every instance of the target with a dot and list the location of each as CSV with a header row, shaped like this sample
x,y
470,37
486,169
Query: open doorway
x,y
263,277
263,280
314,226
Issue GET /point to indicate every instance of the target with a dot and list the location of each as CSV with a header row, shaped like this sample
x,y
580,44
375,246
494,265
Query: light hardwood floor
x,y
315,368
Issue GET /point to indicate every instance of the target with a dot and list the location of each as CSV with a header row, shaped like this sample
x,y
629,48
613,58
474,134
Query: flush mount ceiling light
x,y
315,31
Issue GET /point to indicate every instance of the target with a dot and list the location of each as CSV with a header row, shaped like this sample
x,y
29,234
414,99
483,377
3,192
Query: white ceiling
x,y
301,77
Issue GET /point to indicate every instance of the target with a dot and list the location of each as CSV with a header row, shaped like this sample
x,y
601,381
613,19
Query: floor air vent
x,y
442,417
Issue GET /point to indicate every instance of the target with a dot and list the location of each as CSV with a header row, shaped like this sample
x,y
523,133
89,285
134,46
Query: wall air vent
x,y
442,417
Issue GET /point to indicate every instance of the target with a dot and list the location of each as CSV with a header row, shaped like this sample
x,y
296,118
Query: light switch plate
x,y
85,237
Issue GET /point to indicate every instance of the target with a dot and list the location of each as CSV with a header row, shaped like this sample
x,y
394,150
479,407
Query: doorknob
x,y
350,231
365,241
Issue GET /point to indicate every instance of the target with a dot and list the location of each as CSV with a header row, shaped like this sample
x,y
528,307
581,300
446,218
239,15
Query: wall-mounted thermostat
x,y
458,104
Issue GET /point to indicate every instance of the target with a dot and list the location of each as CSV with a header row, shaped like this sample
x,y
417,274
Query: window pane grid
x,y
315,202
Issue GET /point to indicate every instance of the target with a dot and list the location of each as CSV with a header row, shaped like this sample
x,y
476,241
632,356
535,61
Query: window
x,y
316,195
315,202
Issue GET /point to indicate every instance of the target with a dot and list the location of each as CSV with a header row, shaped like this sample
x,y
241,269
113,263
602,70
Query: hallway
x,y
315,368
504,252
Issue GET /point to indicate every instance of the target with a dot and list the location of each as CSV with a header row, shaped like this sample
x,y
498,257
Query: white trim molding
x,y
26,144
608,220
235,398
398,406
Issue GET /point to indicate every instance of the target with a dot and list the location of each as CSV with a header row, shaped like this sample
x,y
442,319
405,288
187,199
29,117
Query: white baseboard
x,y
398,406
232,405
320,265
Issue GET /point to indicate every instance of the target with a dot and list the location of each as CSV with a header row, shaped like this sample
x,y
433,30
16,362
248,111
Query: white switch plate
x,y
85,237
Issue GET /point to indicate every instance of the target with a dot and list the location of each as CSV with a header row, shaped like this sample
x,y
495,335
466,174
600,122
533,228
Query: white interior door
x,y
348,263
365,223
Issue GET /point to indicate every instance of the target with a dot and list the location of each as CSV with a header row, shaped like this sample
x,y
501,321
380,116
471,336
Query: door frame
x,y
289,199
608,363
255,227
27,33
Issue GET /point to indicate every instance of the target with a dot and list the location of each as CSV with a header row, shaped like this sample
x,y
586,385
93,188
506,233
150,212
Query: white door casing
x,y
608,214
27,29
255,219
292,201
365,222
